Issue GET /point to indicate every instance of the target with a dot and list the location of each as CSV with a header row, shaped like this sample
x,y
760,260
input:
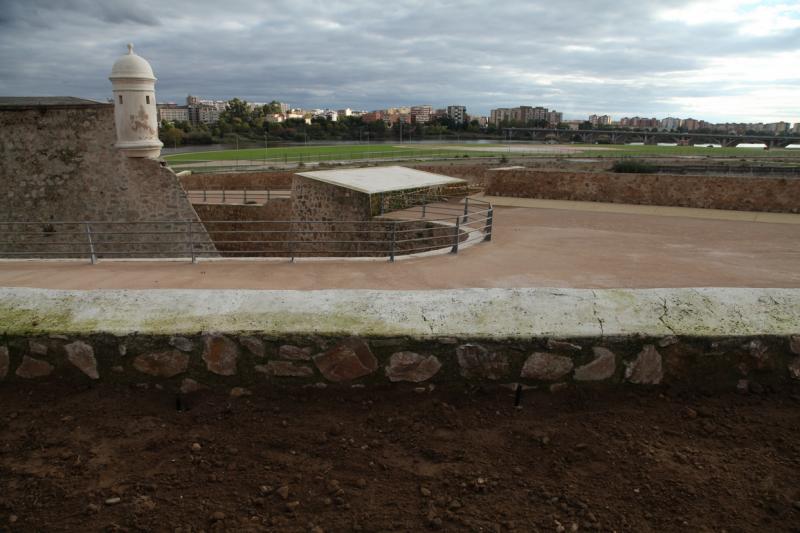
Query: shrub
x,y
631,166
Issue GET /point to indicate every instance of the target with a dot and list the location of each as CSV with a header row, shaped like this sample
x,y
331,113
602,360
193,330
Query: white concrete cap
x,y
132,66
373,180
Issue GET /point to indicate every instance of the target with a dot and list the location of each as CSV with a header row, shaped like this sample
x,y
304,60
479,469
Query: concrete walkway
x,y
531,247
633,209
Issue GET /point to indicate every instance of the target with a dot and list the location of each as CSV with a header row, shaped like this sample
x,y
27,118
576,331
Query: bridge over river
x,y
646,137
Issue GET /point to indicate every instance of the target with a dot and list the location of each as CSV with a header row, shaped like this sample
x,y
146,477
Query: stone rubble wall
x,y
361,235
238,181
739,193
240,219
60,164
188,363
701,338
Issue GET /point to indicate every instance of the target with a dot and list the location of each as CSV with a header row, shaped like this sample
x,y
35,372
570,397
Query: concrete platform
x,y
531,247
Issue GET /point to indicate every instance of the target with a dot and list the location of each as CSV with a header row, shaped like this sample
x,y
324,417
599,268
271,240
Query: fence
x,y
236,196
213,165
446,225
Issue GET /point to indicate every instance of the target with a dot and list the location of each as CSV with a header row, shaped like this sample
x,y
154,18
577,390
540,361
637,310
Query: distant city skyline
x,y
715,60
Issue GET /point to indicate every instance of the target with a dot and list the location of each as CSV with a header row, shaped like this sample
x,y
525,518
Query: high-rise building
x,y
690,124
500,115
172,112
670,123
421,114
600,120
457,113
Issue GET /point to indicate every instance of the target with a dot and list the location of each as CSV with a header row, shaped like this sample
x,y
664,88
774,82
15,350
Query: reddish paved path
x,y
531,248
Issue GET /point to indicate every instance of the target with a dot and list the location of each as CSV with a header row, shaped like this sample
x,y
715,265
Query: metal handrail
x,y
387,236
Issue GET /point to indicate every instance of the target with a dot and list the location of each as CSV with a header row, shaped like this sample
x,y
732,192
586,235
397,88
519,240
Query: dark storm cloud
x,y
619,56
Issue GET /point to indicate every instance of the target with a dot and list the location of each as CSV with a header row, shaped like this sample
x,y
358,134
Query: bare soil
x,y
124,458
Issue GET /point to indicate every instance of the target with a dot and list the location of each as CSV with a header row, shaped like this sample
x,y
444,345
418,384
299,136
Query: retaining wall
x,y
769,194
555,338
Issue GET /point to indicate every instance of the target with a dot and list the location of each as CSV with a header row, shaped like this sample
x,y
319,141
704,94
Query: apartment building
x,y
457,113
421,114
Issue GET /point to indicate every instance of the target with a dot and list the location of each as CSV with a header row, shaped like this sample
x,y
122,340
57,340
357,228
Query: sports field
x,y
333,152
343,153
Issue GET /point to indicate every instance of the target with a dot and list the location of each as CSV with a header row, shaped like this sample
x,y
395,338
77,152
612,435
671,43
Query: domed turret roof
x,y
132,66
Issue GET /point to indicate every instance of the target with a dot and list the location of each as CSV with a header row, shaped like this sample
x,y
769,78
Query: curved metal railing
x,y
445,224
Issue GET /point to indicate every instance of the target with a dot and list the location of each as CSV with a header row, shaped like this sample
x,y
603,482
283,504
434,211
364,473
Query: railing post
x,y
223,194
92,256
191,241
423,210
245,194
489,221
394,240
466,210
205,195
457,235
268,195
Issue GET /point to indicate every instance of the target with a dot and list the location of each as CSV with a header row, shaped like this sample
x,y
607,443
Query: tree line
x,y
250,125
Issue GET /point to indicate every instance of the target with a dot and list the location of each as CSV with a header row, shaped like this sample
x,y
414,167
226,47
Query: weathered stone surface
x,y
285,369
162,364
81,355
546,366
669,340
74,169
294,353
220,355
794,344
349,360
181,343
37,348
5,361
562,346
238,392
410,366
601,367
758,352
794,368
646,369
188,386
31,368
476,361
254,345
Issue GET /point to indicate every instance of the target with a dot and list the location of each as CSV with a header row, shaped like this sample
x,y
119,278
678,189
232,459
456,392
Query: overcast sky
x,y
718,60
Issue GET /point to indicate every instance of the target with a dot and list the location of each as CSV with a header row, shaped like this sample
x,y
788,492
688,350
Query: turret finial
x,y
130,48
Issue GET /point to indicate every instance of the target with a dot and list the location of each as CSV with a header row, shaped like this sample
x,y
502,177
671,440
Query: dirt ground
x,y
124,458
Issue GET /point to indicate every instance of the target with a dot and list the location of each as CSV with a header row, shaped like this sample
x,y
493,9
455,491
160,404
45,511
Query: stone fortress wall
x,y
58,163
328,205
776,194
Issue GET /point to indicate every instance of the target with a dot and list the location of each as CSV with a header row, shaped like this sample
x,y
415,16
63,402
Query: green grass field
x,y
314,153
670,151
296,154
